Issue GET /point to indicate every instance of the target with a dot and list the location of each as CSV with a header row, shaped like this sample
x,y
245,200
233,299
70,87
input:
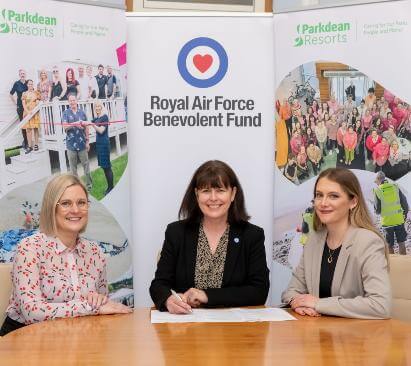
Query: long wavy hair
x,y
359,215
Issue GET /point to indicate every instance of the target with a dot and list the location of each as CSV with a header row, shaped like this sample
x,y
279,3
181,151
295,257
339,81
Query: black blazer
x,y
245,278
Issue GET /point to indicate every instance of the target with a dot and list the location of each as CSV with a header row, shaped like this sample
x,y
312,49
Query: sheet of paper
x,y
235,315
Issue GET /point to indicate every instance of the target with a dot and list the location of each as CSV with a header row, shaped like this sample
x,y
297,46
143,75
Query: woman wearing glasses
x,y
343,270
56,273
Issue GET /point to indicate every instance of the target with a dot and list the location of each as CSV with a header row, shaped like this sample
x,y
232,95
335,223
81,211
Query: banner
x,y
203,91
337,70
51,50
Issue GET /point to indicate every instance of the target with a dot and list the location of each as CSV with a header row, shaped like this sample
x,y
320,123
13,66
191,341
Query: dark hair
x,y
213,174
100,66
371,90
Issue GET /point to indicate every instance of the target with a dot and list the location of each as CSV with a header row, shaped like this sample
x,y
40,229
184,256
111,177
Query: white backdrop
x,y
163,159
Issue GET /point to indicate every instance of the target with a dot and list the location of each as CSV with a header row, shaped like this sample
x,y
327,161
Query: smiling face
x,y
69,75
214,202
71,220
332,204
98,108
22,75
30,85
72,100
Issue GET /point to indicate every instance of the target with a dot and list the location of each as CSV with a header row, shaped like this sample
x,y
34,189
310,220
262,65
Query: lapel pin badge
x,y
236,240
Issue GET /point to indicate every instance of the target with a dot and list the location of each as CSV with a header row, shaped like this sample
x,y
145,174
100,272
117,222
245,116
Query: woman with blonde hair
x,y
344,267
44,86
57,273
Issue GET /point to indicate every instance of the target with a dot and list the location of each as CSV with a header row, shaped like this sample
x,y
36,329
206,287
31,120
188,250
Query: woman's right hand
x,y
306,311
175,306
112,307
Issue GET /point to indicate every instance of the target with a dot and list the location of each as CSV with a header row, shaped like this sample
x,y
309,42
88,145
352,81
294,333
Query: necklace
x,y
330,255
331,252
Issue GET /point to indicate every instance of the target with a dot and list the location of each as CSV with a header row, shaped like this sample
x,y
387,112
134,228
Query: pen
x,y
177,296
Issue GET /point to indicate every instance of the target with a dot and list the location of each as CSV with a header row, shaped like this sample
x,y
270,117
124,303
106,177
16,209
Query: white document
x,y
235,315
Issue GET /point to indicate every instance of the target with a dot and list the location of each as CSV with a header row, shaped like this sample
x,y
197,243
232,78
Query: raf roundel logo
x,y
202,62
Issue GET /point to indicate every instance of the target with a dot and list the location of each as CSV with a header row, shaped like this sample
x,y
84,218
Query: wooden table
x,y
132,340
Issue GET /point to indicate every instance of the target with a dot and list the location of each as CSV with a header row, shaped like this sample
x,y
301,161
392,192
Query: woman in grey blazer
x,y
344,267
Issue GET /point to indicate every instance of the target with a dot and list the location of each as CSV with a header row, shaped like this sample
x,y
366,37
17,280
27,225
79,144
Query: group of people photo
x,y
212,257
76,85
372,133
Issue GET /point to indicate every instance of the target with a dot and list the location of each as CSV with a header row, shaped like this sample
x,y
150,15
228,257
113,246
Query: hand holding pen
x,y
177,304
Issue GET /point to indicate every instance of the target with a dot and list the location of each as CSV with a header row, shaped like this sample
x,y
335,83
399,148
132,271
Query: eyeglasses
x,y
81,204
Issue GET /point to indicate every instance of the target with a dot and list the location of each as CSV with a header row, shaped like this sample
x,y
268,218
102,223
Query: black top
x,y
245,277
101,83
327,270
291,169
71,89
19,88
56,90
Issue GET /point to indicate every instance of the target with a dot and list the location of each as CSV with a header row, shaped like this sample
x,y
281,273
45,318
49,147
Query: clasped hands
x,y
192,298
304,304
104,306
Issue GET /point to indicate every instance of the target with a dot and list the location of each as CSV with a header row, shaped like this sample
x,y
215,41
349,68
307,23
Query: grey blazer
x,y
361,285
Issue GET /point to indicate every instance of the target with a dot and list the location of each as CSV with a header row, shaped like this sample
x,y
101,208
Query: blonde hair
x,y
103,108
359,216
54,190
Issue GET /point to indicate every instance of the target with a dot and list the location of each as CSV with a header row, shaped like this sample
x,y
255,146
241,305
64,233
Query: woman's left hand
x,y
304,300
195,297
95,300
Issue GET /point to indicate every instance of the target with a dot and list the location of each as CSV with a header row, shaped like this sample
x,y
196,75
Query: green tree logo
x,y
4,26
298,42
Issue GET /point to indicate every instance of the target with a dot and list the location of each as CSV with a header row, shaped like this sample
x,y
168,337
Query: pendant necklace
x,y
330,255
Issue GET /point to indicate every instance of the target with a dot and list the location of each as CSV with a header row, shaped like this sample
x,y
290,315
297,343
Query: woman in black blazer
x,y
213,256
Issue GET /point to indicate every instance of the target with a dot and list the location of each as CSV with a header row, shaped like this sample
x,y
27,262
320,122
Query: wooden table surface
x,y
132,340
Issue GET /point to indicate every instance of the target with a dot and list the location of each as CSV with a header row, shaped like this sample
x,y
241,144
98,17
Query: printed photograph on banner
x,y
64,110
329,114
68,116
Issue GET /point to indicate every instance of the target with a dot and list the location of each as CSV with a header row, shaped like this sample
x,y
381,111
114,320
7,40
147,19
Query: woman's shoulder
x,y
363,239
87,245
33,241
247,228
180,226
366,233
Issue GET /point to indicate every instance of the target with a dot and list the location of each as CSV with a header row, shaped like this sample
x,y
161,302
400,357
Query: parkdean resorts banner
x,y
342,100
49,51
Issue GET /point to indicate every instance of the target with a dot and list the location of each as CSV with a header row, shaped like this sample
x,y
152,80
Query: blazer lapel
x,y
318,242
191,241
342,261
233,248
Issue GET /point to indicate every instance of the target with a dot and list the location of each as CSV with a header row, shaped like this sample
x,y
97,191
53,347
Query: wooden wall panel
x,y
323,82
